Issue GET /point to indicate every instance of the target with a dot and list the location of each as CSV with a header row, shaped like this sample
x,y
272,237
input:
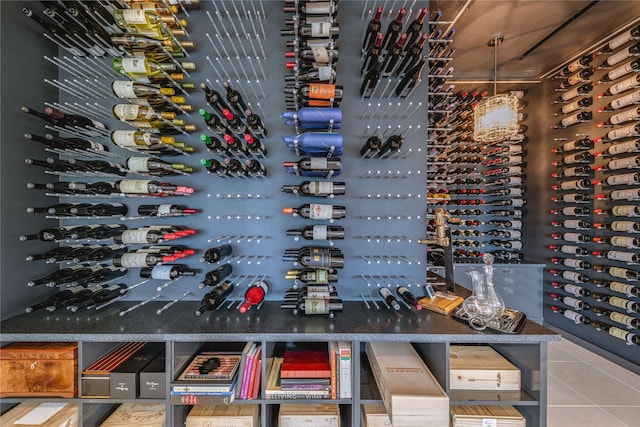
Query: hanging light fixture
x,y
495,118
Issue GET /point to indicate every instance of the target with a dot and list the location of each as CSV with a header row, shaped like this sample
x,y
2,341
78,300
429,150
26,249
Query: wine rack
x,y
592,292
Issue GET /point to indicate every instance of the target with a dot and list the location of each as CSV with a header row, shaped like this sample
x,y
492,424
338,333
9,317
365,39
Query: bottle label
x,y
316,306
576,317
618,272
626,163
630,194
514,244
134,260
624,85
164,209
620,71
623,147
134,65
322,276
161,272
570,94
319,232
135,186
618,57
321,29
621,318
632,98
572,120
138,164
569,249
573,276
324,73
321,91
622,241
569,108
132,237
624,210
317,188
626,226
126,111
623,288
620,256
318,211
627,178
320,54
620,40
572,302
134,16
124,138
123,89
319,163
625,116
321,259
621,334
573,289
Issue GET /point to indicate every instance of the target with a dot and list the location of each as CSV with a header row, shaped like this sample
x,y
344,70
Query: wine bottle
x,y
55,299
408,297
50,234
572,198
579,144
165,210
581,117
99,253
101,296
570,275
623,319
214,98
620,241
315,257
76,297
630,306
572,302
316,188
254,295
217,254
624,226
575,92
255,124
411,78
620,56
56,34
578,318
144,22
316,143
374,52
216,296
621,71
58,143
577,64
620,287
318,232
234,124
166,272
393,30
216,276
623,148
141,69
315,166
626,336
373,29
317,211
632,162
622,273
507,255
371,79
236,146
62,276
577,264
624,179
213,122
620,210
512,224
392,57
313,276
234,98
389,298
133,260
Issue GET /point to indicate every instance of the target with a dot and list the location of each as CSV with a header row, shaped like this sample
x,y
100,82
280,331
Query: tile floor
x,y
586,390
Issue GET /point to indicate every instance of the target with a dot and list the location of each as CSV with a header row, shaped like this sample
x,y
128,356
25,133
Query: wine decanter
x,y
495,300
477,306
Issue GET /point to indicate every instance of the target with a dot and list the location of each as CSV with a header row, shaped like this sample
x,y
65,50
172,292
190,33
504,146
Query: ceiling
x,y
524,23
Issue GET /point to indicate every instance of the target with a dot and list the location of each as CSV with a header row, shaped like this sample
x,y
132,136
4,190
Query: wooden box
x,y
239,415
411,394
133,414
481,368
486,415
39,369
309,415
42,414
374,415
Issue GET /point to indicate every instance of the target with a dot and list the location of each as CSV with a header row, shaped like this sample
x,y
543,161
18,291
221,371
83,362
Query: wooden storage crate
x,y
133,414
42,414
486,415
39,369
481,368
237,415
309,415
410,393
374,415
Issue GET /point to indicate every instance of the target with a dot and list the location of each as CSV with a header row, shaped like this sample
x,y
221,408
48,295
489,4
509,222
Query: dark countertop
x,y
269,323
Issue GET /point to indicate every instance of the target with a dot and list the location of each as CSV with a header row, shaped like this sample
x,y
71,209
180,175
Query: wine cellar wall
x,y
384,199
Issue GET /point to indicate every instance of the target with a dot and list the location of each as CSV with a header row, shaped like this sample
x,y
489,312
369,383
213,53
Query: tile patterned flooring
x,y
586,390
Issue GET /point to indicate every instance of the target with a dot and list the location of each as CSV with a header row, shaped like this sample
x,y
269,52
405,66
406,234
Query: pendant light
x,y
495,118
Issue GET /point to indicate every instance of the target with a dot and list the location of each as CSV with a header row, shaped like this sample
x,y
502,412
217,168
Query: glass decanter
x,y
478,307
495,300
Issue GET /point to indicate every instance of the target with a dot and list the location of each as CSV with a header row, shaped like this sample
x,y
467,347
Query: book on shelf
x,y
344,379
254,385
273,387
212,366
243,360
333,360
305,363
185,387
250,372
41,414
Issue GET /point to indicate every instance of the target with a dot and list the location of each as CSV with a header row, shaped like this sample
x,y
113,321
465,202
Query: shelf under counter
x,y
269,323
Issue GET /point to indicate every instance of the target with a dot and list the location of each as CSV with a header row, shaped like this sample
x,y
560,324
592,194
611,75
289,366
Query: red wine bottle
x,y
254,295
